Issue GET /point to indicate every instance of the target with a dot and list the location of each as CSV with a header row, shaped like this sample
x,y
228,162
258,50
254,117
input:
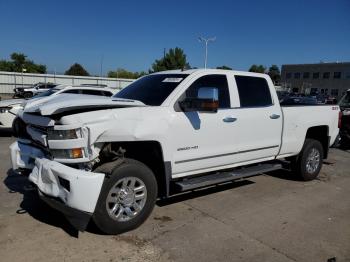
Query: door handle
x,y
229,119
274,116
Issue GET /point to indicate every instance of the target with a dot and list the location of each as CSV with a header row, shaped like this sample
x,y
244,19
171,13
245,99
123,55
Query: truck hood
x,y
66,103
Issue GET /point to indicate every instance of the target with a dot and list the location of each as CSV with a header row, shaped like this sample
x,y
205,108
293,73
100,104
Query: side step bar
x,y
222,177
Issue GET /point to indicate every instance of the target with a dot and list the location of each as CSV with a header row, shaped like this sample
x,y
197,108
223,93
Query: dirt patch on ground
x,y
163,219
133,240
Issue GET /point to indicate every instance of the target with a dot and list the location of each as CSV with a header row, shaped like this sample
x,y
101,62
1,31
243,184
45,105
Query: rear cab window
x,y
253,91
89,92
96,92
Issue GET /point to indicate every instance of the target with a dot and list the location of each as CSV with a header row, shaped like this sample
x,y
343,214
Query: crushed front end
x,y
60,158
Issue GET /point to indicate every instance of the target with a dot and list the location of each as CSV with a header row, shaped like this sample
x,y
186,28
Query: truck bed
x,y
297,119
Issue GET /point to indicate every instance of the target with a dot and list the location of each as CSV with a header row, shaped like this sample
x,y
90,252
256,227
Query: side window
x,y
253,91
218,81
106,93
72,91
92,92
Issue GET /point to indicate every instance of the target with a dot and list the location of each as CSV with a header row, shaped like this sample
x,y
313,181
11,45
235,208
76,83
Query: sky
x,y
132,34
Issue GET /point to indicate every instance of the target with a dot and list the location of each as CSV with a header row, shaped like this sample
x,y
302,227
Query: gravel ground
x,y
266,218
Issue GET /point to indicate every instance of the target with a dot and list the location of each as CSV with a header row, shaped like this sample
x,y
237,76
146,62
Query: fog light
x,y
64,182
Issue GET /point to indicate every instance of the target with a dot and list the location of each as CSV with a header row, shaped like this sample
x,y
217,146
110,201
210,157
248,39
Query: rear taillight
x,y
339,119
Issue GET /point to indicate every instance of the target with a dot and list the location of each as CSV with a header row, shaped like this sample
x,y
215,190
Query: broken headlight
x,y
5,109
63,134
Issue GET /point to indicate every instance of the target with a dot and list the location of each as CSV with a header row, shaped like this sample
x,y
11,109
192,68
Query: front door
x,y
200,138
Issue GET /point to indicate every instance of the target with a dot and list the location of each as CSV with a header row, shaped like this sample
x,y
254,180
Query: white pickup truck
x,y
109,159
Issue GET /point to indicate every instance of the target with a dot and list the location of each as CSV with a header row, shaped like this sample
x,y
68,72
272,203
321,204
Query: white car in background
x,y
9,108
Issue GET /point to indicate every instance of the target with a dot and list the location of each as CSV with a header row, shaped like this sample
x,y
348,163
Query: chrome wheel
x,y
313,161
126,199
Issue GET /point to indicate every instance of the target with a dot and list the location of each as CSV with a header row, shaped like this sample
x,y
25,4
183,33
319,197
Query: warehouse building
x,y
331,79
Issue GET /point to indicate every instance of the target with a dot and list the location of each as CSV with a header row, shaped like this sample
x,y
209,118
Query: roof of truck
x,y
82,87
212,71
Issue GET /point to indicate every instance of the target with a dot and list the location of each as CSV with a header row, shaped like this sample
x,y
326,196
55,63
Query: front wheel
x,y
308,163
127,198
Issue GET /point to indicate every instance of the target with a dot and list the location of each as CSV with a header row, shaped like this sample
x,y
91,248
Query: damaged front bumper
x,y
72,191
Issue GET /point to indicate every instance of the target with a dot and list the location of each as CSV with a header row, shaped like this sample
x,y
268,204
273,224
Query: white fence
x,y
10,80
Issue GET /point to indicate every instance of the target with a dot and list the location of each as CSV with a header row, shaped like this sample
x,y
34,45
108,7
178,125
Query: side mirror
x,y
206,101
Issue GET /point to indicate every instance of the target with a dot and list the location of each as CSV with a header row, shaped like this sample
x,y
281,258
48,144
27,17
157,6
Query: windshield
x,y
345,101
153,89
46,93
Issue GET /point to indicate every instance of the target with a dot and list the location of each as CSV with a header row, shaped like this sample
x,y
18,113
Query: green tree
x,y
77,70
274,73
224,67
122,73
174,59
7,66
19,62
257,68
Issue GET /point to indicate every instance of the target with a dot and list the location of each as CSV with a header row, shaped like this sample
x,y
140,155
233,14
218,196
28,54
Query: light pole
x,y
101,65
23,70
206,41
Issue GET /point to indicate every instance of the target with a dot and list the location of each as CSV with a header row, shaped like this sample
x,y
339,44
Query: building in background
x,y
331,79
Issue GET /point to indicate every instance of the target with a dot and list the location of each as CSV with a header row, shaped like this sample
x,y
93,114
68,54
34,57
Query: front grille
x,y
40,129
20,131
20,128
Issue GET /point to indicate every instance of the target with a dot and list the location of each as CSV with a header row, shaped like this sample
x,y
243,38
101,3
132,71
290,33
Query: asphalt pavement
x,y
272,217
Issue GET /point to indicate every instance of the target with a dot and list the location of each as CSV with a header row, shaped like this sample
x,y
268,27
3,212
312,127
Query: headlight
x,y
67,153
63,134
5,109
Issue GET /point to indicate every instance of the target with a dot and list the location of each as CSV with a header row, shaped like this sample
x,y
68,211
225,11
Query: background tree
x,y
257,68
174,59
18,62
275,74
77,70
224,67
122,73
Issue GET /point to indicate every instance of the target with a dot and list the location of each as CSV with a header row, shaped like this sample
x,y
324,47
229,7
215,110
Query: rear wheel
x,y
27,95
308,163
127,198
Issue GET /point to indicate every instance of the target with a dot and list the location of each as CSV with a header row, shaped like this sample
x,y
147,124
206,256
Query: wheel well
x,y
149,153
320,133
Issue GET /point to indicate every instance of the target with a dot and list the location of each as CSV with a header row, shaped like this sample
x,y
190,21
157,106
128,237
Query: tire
x,y
123,201
27,95
308,163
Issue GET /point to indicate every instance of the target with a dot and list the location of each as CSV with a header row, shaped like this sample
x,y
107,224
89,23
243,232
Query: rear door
x,y
256,133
